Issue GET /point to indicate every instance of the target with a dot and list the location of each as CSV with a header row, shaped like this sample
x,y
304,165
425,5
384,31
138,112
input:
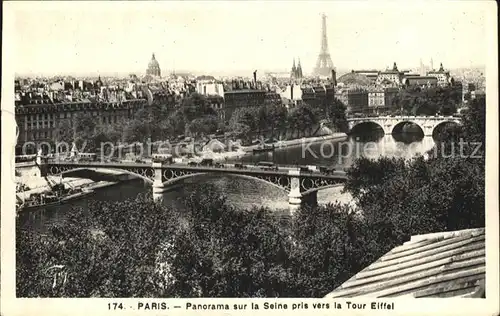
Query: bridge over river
x,y
300,183
391,124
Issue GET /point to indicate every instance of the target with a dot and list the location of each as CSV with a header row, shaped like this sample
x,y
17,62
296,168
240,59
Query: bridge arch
x,y
443,125
398,128
280,182
146,175
359,125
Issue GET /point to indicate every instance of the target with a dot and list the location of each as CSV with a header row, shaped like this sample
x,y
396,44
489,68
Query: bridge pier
x,y
41,164
296,198
158,186
428,130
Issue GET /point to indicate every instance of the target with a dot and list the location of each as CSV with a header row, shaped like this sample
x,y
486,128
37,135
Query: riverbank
x,y
39,185
335,137
246,150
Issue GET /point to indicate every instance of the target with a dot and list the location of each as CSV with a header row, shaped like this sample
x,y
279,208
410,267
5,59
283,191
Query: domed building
x,y
354,79
153,68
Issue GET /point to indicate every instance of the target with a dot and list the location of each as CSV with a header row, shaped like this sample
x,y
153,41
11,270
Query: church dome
x,y
153,67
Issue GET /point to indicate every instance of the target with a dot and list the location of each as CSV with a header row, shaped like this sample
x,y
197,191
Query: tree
x,y
329,245
303,118
64,133
204,126
138,129
85,126
196,106
336,114
110,252
428,101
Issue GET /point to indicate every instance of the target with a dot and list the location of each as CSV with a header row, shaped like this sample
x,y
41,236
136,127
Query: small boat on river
x,y
264,148
58,195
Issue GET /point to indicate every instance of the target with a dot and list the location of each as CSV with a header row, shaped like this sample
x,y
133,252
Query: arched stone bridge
x,y
390,123
300,185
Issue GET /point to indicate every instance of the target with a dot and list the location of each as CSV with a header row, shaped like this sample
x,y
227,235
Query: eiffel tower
x,y
324,65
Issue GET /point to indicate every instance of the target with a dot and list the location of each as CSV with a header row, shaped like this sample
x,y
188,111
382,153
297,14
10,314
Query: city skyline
x,y
196,36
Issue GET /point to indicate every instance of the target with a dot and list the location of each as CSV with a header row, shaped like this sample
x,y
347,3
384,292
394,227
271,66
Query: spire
x,y
293,73
299,70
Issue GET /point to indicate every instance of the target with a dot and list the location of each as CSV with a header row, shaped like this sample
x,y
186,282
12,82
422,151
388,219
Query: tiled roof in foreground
x,y
449,264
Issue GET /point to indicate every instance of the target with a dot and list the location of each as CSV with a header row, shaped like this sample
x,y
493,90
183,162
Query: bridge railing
x,y
305,169
405,117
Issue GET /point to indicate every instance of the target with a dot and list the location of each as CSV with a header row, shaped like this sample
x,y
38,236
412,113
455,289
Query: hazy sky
x,y
109,37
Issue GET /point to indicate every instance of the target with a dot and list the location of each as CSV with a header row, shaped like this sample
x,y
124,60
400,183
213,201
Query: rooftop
x,y
449,264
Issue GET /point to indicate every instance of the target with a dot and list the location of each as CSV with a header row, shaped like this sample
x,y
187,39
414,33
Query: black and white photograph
x,y
255,150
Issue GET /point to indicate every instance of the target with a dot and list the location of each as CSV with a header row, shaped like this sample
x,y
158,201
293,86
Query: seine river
x,y
247,193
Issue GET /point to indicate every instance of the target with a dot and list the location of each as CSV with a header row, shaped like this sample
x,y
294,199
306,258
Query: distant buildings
x,y
42,103
420,81
392,77
443,77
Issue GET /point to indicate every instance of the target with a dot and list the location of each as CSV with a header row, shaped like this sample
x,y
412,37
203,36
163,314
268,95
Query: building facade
x,y
376,99
443,77
39,120
420,81
241,93
391,77
355,99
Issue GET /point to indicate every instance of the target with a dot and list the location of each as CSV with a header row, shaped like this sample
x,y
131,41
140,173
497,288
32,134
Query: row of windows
x,y
376,102
40,124
40,135
36,117
51,122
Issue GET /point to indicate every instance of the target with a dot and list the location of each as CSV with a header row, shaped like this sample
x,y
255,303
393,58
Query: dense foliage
x,y
428,101
274,121
138,248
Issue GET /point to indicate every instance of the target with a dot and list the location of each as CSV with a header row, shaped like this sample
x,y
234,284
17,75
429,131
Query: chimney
x,y
334,77
255,77
291,92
